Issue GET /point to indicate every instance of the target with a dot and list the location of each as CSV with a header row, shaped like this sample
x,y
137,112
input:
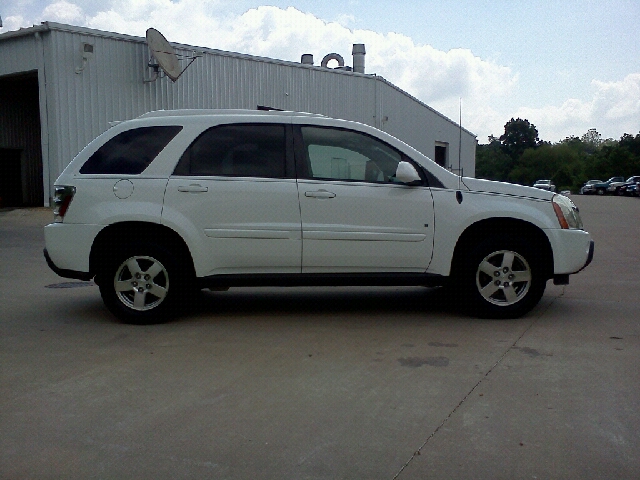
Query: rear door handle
x,y
320,194
193,188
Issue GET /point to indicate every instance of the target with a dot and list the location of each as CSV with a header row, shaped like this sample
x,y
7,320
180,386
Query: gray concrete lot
x,y
347,383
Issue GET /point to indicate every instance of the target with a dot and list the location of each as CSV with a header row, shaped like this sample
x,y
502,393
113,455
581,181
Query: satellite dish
x,y
164,54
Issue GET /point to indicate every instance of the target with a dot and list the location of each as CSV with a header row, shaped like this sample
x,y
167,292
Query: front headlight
x,y
567,213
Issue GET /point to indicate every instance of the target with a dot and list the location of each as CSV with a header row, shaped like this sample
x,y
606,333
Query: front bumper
x,y
592,246
563,278
572,250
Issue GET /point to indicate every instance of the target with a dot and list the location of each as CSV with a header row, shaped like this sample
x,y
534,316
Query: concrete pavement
x,y
322,383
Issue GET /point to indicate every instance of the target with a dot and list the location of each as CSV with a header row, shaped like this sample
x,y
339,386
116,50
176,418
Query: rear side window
x,y
130,152
237,151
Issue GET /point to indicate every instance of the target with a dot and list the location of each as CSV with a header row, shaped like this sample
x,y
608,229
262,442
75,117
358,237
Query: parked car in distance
x,y
545,185
609,186
633,190
589,187
629,187
160,206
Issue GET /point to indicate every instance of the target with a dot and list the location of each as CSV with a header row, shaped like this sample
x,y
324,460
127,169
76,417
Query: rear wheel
x,y
502,278
141,284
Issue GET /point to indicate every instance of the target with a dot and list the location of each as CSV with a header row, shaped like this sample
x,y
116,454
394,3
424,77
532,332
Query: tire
x,y
502,278
141,284
600,191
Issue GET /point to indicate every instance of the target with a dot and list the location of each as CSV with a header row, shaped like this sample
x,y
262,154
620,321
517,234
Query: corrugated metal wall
x,y
18,54
111,86
424,128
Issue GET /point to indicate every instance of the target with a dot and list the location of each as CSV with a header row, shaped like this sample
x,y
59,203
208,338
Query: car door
x,y
234,194
356,216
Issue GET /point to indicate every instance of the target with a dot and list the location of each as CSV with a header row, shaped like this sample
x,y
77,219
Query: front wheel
x,y
502,279
141,284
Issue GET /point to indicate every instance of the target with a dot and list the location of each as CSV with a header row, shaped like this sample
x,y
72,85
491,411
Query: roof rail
x,y
223,111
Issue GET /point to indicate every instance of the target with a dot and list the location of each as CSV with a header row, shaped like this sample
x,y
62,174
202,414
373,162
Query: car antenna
x,y
460,148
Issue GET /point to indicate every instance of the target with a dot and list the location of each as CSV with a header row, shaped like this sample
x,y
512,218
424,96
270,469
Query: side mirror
x,y
406,173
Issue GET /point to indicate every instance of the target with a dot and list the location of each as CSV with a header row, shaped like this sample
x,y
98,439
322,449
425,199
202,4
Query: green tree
x,y
519,156
562,163
621,158
519,135
491,162
592,140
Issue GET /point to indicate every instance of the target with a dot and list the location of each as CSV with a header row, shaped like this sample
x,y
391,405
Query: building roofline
x,y
61,27
23,32
395,87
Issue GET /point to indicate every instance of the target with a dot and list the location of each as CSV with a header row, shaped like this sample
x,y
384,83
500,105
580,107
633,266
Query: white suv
x,y
175,201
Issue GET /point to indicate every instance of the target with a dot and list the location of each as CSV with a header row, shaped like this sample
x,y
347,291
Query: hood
x,y
490,186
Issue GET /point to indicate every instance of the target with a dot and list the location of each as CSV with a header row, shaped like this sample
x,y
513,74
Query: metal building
x,y
61,86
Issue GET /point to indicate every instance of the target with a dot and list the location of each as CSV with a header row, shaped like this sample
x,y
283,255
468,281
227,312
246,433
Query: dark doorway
x,y
10,178
441,154
20,142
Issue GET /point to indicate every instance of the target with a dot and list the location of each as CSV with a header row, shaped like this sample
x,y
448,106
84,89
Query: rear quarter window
x,y
130,152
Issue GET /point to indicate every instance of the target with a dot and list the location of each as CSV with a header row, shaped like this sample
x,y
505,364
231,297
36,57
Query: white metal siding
x,y
18,55
423,128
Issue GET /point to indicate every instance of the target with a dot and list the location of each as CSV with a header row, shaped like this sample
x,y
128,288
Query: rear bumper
x,y
69,245
64,272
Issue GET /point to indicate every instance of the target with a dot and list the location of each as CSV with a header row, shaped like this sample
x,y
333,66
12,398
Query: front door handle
x,y
193,188
320,194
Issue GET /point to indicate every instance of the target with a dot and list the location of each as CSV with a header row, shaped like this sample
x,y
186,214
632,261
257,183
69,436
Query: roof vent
x,y
307,59
332,56
358,53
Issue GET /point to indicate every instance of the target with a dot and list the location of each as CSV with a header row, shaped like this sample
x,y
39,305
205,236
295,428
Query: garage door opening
x,y
10,178
20,143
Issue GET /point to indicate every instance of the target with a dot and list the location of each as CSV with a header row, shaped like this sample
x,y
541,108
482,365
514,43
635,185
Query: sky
x,y
566,66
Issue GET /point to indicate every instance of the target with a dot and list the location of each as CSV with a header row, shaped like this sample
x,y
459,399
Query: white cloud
x,y
63,12
345,20
618,100
614,109
13,22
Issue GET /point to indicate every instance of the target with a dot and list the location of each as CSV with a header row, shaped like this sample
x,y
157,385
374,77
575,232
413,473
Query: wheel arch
x,y
116,235
510,227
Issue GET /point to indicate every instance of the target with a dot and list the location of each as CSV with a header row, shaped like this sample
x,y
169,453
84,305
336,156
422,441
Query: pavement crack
x,y
475,387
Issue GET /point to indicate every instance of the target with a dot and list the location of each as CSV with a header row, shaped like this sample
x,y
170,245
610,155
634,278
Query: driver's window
x,y
337,154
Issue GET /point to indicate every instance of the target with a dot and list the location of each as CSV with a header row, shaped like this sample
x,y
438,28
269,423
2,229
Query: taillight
x,y
62,196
